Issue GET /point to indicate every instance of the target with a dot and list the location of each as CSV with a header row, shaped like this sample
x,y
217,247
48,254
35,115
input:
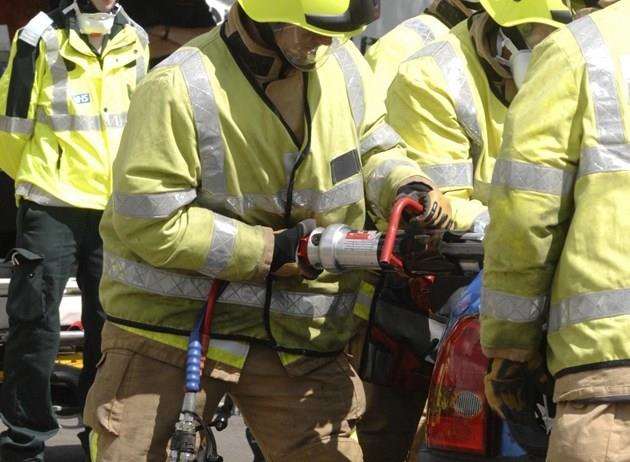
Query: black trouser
x,y
67,239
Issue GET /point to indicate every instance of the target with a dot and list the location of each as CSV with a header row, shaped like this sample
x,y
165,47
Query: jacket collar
x,y
261,60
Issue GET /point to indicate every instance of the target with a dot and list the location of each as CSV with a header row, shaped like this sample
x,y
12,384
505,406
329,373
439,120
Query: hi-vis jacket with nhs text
x,y
442,105
201,182
63,107
557,251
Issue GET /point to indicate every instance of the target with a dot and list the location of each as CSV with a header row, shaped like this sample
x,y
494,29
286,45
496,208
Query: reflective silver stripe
x,y
354,85
221,247
421,28
513,308
383,138
531,177
206,115
115,120
58,72
238,349
171,284
83,123
299,304
612,154
588,307
158,205
153,280
346,193
36,194
143,38
16,125
455,73
610,158
456,174
600,68
375,182
66,122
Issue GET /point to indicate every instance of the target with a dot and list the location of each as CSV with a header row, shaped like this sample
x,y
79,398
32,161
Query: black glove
x,y
286,244
437,208
513,390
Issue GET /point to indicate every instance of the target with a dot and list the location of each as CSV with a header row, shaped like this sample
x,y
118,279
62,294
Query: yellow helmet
x,y
510,13
331,18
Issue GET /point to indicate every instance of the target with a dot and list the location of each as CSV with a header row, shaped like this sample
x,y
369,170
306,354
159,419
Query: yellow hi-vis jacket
x,y
557,251
386,55
63,107
444,108
201,180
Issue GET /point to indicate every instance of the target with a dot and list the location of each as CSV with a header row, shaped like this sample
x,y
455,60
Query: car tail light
x,y
458,415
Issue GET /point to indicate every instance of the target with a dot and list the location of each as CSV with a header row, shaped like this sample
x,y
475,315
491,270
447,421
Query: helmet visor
x,y
303,49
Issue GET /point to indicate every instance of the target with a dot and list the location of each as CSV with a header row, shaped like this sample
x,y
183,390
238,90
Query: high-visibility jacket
x,y
443,106
201,180
400,43
63,107
557,251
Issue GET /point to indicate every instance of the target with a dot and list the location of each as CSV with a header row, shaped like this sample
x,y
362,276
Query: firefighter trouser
x,y
135,402
590,433
388,428
68,240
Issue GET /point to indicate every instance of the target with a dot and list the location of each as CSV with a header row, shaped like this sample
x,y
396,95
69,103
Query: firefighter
x,y
63,105
232,142
413,34
548,264
448,102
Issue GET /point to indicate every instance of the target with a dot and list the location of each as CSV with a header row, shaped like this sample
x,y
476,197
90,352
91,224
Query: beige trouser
x,y
387,429
135,402
590,433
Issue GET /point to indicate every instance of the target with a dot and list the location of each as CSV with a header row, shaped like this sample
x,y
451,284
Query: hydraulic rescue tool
x,y
335,249
415,251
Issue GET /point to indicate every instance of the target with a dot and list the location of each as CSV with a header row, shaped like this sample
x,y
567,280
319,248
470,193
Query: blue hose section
x,y
193,358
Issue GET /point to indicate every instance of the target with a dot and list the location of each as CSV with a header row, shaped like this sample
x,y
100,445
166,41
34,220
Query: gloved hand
x,y
512,387
513,390
284,262
437,208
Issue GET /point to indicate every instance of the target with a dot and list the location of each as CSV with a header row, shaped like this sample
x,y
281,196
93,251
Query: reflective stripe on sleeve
x,y
376,181
531,177
221,247
384,137
588,307
16,125
512,308
158,205
421,28
451,175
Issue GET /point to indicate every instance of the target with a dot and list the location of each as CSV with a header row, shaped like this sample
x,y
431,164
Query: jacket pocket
x,y
26,300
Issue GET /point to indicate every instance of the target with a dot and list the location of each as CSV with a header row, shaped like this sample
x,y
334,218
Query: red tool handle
x,y
387,257
206,326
